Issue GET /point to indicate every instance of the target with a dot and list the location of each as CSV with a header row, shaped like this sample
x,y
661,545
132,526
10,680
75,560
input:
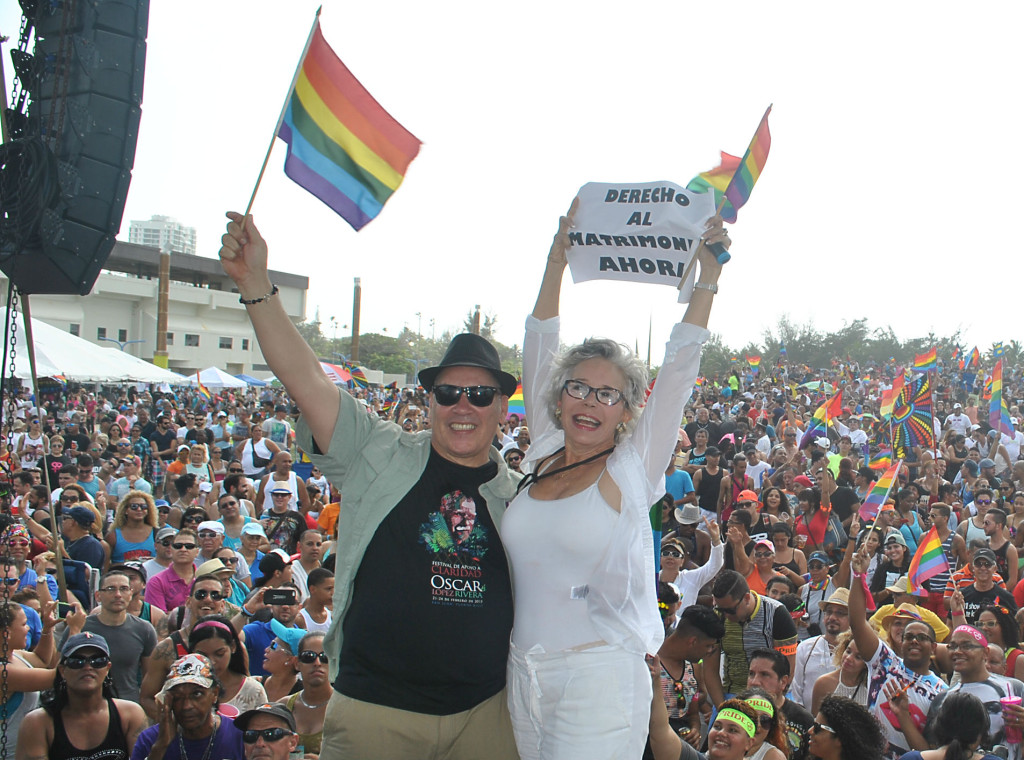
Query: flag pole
x,y
284,108
700,245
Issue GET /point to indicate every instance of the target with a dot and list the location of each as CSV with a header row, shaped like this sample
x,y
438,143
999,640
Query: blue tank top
x,y
124,550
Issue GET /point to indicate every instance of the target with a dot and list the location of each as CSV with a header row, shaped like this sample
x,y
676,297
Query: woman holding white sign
x,y
586,610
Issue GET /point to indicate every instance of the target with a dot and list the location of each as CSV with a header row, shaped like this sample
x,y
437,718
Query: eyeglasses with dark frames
x,y
580,390
200,595
95,662
269,735
308,657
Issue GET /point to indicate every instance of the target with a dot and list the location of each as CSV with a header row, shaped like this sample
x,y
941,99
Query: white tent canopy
x,y
60,353
213,377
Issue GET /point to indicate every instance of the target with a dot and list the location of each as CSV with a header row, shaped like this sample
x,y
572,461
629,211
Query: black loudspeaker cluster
x,y
65,172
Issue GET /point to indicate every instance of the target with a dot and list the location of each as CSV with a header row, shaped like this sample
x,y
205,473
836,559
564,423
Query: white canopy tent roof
x,y
214,377
60,353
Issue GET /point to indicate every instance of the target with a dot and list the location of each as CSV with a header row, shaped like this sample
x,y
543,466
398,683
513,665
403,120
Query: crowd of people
x,y
676,570
197,582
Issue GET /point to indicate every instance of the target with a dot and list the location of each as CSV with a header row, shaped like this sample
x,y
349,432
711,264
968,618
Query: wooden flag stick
x,y
284,109
700,245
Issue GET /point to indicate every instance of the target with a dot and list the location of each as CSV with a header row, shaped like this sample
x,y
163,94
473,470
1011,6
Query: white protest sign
x,y
639,232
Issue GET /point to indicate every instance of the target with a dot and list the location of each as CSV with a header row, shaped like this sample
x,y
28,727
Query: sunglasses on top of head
x,y
477,395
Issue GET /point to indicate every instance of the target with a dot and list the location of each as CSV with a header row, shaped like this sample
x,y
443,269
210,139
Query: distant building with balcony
x,y
164,233
206,325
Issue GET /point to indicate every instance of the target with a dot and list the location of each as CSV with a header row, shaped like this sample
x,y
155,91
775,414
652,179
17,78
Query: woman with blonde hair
x,y
132,534
849,679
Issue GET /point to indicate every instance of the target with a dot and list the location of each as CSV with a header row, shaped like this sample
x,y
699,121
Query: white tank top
x,y
312,625
553,549
291,484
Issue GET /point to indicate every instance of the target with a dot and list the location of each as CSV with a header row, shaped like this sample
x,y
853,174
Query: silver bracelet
x,y
712,288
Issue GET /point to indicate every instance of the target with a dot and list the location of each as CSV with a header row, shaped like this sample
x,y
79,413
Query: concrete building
x,y
164,233
206,325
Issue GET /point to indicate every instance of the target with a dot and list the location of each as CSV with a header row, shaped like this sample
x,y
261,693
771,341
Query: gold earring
x,y
558,413
620,428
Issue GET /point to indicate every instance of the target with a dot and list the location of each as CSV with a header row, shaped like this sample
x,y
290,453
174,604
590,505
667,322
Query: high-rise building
x,y
165,233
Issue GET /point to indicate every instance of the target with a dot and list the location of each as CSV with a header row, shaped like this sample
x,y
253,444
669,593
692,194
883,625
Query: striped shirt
x,y
770,626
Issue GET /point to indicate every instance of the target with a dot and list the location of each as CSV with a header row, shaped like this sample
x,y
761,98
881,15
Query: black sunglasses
x,y
96,661
478,395
252,735
202,593
190,547
308,657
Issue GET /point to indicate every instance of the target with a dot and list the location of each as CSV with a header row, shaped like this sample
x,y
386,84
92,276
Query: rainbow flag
x,y
928,562
359,377
754,362
975,357
516,404
717,179
822,418
889,397
956,354
343,147
998,414
926,362
203,390
782,349
879,492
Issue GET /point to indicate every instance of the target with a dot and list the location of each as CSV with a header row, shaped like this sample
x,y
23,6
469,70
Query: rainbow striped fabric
x,y
516,404
823,416
751,166
879,492
203,390
928,562
754,362
718,179
343,147
926,362
998,414
889,397
912,417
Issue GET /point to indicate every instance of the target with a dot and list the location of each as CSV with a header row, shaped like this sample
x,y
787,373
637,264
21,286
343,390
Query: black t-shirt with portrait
x,y
428,626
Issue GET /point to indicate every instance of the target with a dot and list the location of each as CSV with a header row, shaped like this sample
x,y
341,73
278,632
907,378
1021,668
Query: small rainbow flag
x,y
998,414
343,147
516,404
823,416
754,362
881,460
203,390
889,397
737,175
926,362
879,492
928,562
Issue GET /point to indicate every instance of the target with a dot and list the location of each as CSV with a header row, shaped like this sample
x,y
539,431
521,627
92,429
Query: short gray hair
x,y
635,371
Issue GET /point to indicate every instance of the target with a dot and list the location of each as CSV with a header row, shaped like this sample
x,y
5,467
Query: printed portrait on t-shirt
x,y
453,530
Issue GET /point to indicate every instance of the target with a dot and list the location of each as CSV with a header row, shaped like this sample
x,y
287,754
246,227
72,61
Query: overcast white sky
x,y
891,192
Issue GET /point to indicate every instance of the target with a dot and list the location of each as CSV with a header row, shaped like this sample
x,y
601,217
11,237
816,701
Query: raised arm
x,y
551,285
863,633
244,257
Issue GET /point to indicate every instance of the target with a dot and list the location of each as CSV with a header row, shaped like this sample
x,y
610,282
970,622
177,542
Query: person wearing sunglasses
x,y
770,735
886,668
395,529
270,732
604,466
984,590
81,710
845,730
169,589
189,725
132,534
309,706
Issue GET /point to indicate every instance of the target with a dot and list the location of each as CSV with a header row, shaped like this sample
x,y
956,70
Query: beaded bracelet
x,y
261,299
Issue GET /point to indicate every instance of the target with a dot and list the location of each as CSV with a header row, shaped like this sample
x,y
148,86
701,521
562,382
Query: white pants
x,y
579,705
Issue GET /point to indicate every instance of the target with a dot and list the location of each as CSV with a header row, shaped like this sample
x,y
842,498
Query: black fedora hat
x,y
470,350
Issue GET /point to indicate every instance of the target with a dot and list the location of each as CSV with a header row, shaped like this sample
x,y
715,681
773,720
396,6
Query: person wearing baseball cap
x,y
819,588
984,591
89,715
189,725
268,731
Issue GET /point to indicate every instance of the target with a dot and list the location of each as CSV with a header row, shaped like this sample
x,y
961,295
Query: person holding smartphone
x,y
283,603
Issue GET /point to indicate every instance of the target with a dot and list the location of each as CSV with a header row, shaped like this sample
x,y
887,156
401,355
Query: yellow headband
x,y
739,718
761,705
